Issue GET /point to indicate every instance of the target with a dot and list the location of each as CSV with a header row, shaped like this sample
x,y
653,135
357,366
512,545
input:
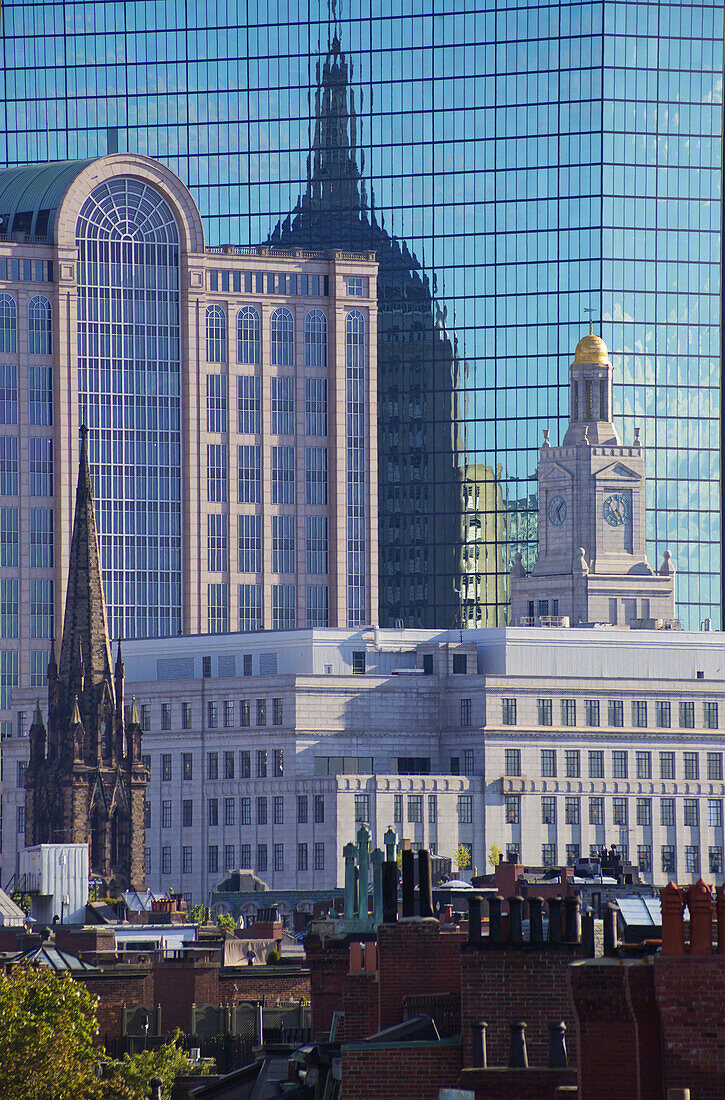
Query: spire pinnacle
x,y
85,653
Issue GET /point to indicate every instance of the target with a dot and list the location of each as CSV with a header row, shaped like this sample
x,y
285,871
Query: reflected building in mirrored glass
x,y
527,169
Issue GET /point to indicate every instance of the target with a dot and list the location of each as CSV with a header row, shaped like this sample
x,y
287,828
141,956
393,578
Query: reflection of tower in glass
x,y
421,536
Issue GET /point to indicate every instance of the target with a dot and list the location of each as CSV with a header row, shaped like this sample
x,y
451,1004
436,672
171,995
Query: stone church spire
x,y
85,654
86,781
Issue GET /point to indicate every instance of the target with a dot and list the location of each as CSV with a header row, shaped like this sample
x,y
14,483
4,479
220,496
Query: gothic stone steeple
x,y
85,781
592,565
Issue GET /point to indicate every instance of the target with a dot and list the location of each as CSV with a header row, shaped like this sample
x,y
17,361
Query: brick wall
x,y
329,963
690,993
176,987
607,1023
517,1084
114,989
409,1071
268,984
360,1005
415,958
502,984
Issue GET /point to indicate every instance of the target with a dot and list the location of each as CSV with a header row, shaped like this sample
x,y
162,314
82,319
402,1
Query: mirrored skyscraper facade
x,y
520,171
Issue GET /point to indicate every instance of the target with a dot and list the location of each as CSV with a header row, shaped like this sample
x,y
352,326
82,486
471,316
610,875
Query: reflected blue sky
x,y
540,161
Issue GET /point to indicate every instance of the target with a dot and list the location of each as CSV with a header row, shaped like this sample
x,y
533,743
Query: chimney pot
x,y
673,924
518,1058
557,1045
588,933
390,891
610,930
408,882
554,920
474,918
516,931
495,924
536,920
425,889
699,902
573,918
478,1051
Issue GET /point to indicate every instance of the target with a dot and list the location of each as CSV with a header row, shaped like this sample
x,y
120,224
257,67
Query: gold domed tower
x,y
590,387
592,565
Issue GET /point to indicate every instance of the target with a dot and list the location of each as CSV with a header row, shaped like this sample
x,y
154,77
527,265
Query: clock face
x,y
557,511
616,509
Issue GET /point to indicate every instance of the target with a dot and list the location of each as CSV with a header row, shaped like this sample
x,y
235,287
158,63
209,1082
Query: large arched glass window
x,y
283,338
248,335
39,326
216,335
129,377
315,339
8,324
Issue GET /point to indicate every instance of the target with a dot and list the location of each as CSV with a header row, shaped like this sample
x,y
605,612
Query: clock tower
x,y
592,565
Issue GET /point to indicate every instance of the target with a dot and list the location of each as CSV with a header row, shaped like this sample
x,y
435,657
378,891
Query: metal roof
x,y
10,913
645,912
52,957
34,188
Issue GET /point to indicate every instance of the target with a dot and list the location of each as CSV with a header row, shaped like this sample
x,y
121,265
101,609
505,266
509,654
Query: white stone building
x,y
265,749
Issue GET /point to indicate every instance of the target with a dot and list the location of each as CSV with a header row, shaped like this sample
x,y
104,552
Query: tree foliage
x,y
494,855
197,914
462,857
166,1063
226,922
47,1030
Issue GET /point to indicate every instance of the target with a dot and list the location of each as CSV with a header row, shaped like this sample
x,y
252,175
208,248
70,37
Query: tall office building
x,y
229,396
533,167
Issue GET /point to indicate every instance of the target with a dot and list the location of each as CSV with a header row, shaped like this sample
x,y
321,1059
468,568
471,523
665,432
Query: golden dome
x,y
591,349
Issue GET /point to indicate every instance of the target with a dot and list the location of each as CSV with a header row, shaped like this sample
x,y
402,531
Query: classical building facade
x,y
592,565
85,780
267,750
230,398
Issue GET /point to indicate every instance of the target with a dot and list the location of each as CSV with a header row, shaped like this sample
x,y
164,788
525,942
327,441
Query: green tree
x,y
22,901
47,1029
197,914
462,857
167,1063
494,855
226,922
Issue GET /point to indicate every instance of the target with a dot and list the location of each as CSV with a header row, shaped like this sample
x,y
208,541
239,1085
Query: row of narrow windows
x,y
40,331
249,335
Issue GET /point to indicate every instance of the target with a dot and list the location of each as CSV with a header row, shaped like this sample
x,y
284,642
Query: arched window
x,y
283,338
39,326
8,324
315,339
248,335
216,335
355,339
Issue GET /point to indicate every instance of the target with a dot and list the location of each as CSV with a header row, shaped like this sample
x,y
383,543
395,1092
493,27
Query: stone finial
x,y
667,568
546,438
580,564
390,841
517,569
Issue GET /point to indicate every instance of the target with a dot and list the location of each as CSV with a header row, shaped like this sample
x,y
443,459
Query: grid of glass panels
x,y
517,168
129,377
